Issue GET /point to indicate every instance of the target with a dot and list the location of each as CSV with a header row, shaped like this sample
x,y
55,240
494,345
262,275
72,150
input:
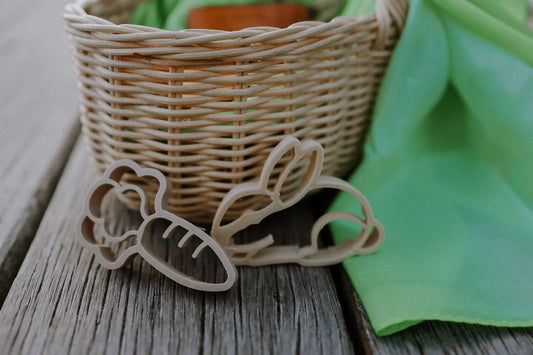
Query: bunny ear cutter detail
x,y
95,237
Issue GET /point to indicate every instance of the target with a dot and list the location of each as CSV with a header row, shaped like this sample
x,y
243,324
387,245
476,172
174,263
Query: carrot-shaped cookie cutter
x,y
91,218
262,252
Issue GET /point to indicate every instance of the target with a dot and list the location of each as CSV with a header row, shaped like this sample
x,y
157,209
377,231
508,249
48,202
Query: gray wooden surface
x,y
38,112
62,302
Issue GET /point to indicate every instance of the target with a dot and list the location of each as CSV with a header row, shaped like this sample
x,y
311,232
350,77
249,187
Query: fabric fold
x,y
448,171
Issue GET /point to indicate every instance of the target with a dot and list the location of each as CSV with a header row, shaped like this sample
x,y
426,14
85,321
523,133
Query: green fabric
x,y
358,8
448,169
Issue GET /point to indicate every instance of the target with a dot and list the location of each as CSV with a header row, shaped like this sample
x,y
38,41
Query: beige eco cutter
x,y
94,235
261,252
91,218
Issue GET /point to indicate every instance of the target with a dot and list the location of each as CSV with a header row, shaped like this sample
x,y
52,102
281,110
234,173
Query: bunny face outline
x,y
91,216
261,252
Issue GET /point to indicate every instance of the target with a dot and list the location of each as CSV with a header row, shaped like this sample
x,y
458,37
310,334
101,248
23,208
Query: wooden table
x,y
55,299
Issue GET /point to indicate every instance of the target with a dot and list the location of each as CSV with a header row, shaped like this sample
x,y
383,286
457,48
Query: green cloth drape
x,y
448,169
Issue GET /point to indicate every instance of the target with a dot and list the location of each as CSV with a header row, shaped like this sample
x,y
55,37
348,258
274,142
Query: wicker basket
x,y
206,107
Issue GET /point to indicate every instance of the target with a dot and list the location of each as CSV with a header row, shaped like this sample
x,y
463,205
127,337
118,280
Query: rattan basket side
x,y
206,107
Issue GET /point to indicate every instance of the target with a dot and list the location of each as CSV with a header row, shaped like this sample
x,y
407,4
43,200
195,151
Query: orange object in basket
x,y
237,17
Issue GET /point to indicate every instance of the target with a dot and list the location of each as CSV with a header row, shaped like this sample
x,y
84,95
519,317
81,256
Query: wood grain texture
x,y
430,337
38,112
62,302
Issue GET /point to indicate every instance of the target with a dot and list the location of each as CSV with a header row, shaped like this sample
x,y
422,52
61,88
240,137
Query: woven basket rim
x,y
78,9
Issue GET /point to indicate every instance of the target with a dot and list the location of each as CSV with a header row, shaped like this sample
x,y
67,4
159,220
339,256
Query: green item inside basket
x,y
172,14
448,171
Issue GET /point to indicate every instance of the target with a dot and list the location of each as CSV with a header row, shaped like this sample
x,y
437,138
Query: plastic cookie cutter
x,y
262,252
91,218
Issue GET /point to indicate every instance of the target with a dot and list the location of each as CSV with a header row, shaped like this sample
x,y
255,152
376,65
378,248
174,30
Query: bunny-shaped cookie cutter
x,y
262,252
91,217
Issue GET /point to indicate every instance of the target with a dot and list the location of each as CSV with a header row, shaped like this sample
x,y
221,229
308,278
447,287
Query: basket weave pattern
x,y
206,107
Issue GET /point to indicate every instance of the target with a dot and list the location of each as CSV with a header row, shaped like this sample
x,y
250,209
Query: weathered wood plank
x,y
62,302
38,112
430,337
